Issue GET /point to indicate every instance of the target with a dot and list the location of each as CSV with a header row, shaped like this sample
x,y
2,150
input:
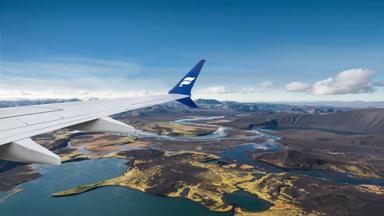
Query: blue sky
x,y
271,50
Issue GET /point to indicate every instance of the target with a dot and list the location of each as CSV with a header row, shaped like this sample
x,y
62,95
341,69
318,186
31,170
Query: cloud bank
x,y
297,87
78,77
215,90
353,81
226,90
346,82
249,90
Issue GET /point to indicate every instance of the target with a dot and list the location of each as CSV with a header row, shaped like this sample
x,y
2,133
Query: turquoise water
x,y
242,154
36,199
247,201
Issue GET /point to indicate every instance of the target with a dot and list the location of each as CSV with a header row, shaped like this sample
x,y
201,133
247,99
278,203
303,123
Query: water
x,y
221,132
194,121
342,178
247,201
242,155
36,199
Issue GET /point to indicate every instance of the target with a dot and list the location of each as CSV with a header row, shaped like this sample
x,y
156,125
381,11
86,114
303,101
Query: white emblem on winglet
x,y
187,81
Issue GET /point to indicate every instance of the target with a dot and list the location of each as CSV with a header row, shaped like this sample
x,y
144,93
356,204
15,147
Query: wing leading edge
x,y
19,124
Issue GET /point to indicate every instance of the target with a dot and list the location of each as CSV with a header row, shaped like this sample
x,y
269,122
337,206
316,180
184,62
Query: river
x,y
35,199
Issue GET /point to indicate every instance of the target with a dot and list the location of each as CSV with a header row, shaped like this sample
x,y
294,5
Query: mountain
x,y
206,106
367,121
271,115
360,121
14,103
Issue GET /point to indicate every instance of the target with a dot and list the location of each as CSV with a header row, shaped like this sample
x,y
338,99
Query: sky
x,y
256,51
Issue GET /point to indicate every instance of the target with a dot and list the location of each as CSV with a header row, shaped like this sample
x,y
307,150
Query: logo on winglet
x,y
187,81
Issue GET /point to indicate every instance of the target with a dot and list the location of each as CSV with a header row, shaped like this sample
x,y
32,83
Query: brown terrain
x,y
346,141
191,175
350,142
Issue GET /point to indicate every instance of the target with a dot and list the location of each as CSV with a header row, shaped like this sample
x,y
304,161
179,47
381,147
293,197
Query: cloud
x,y
226,90
69,67
267,84
216,90
351,81
68,94
79,77
297,87
249,90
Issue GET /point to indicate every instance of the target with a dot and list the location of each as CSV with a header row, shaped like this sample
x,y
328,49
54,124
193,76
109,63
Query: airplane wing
x,y
19,124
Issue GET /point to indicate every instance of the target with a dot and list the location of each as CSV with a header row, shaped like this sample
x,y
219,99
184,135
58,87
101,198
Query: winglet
x,y
184,86
188,102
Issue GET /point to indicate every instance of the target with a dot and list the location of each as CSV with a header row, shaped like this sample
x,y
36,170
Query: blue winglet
x,y
184,86
188,101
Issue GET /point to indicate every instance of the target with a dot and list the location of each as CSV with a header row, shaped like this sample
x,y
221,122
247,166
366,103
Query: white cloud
x,y
78,77
267,84
63,67
351,81
216,90
68,94
297,87
248,90
226,90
